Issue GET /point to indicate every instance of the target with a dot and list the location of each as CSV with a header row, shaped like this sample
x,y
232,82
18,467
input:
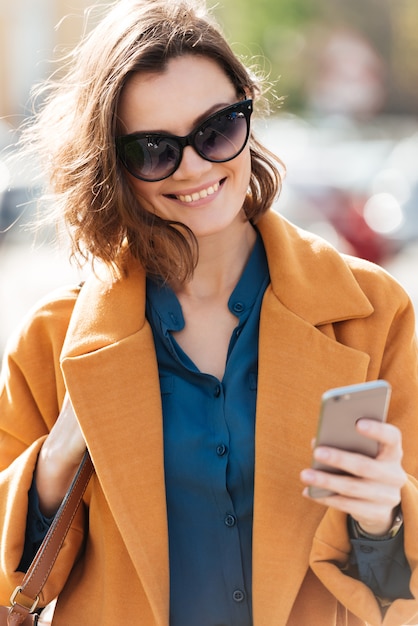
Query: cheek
x,y
244,168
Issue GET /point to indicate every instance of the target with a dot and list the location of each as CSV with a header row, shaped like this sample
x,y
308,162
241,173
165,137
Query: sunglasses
x,y
154,156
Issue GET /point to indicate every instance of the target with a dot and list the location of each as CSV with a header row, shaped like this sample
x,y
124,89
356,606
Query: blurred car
x,y
17,211
357,188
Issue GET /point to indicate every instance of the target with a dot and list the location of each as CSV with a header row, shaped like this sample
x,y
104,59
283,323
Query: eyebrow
x,y
211,111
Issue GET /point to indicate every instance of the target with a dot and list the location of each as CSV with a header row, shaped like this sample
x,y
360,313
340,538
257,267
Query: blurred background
x,y
344,119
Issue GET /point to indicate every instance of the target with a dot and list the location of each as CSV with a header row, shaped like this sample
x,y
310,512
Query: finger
x,y
372,507
353,487
376,516
379,470
388,436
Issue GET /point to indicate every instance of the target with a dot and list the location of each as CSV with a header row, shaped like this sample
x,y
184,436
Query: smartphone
x,y
340,409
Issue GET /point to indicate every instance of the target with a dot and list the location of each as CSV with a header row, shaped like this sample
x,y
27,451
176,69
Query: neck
x,y
222,258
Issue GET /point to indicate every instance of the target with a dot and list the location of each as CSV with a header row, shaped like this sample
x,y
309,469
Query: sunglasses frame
x,y
243,106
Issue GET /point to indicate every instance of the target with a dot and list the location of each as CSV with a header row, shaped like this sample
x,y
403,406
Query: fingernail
x,y
307,475
321,454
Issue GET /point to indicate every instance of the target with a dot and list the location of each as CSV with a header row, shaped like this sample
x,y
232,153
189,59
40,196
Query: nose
x,y
192,165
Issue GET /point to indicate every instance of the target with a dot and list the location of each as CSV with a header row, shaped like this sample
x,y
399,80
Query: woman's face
x,y
205,196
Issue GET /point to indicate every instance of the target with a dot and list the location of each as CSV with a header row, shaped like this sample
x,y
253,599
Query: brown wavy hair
x,y
74,134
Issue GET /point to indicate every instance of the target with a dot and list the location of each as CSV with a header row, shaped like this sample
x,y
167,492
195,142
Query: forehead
x,y
175,99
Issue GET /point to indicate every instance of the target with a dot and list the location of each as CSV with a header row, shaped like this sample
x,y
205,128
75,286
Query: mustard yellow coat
x,y
326,321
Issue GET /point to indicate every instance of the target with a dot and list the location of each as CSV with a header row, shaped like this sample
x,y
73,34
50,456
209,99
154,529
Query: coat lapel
x,y
111,374
297,363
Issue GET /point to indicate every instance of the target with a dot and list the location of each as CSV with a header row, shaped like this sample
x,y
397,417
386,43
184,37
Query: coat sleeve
x,y
389,337
31,393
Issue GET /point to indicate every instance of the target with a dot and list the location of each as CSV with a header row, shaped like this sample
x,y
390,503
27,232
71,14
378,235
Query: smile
x,y
198,195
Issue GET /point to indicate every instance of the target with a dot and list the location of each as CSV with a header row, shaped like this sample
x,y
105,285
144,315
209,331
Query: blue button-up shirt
x,y
209,457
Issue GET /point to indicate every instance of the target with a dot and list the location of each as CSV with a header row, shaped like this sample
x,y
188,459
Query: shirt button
x,y
217,391
174,319
230,520
221,449
238,595
238,307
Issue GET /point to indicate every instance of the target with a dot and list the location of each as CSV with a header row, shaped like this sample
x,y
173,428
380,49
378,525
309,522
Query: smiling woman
x,y
192,361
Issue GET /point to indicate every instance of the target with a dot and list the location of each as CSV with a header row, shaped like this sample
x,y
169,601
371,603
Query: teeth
x,y
199,194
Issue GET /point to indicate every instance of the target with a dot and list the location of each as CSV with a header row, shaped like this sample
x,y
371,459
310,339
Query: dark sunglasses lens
x,y
150,158
223,137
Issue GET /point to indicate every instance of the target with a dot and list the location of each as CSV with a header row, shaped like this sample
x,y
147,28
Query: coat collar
x,y
110,370
316,296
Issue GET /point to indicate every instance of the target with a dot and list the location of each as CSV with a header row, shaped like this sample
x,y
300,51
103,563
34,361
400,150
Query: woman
x,y
192,361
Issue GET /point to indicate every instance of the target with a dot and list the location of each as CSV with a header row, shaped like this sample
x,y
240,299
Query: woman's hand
x,y
59,459
373,491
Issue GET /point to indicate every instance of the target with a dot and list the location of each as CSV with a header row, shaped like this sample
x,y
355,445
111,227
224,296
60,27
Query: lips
x,y
198,195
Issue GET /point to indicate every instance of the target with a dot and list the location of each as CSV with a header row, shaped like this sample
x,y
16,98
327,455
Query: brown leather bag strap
x,y
27,594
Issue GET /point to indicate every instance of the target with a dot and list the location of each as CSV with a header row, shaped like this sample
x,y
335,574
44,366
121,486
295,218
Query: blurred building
x,y
29,39
391,28
404,61
349,77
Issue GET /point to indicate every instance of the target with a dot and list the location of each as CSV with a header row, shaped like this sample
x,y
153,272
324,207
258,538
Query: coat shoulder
x,y
377,284
45,323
